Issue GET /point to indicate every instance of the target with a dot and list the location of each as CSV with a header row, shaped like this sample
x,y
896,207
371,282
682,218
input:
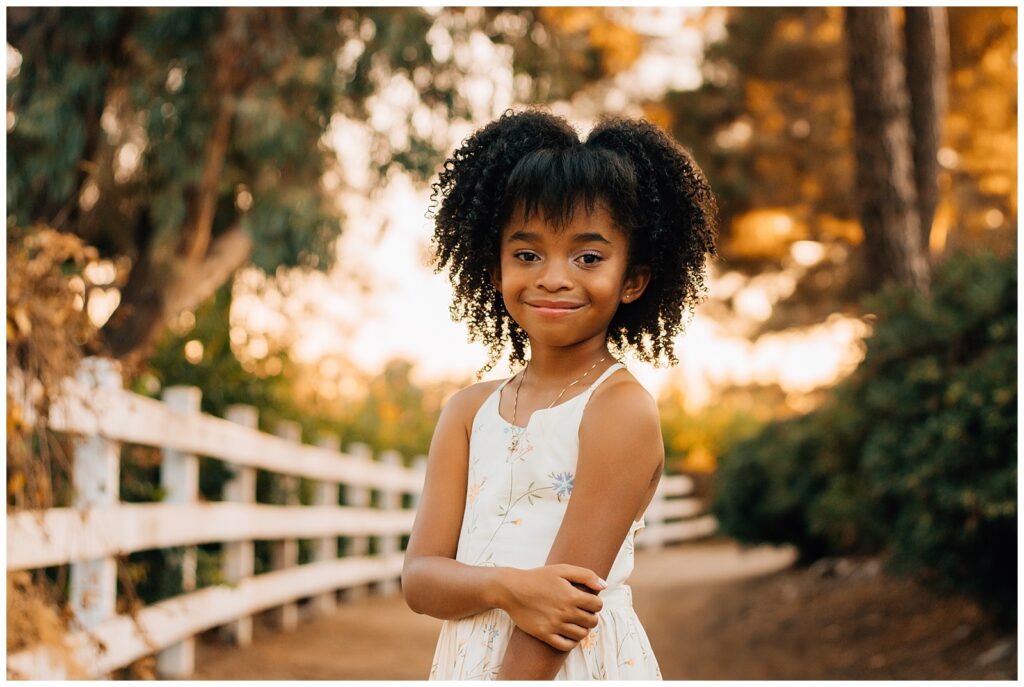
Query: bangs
x,y
553,181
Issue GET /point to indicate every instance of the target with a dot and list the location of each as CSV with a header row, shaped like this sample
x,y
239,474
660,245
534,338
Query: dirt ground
x,y
712,610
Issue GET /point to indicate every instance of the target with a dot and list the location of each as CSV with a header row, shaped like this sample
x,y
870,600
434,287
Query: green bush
x,y
762,486
915,453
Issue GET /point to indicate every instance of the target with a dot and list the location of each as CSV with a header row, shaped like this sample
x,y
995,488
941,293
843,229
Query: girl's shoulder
x,y
465,402
622,416
621,395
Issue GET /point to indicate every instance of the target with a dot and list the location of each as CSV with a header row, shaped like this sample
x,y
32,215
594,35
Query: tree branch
x,y
195,281
226,80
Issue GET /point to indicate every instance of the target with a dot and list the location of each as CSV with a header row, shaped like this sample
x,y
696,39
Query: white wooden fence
x,y
101,415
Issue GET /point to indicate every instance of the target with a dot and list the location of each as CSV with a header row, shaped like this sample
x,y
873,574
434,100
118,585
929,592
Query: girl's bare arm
x,y
433,582
621,450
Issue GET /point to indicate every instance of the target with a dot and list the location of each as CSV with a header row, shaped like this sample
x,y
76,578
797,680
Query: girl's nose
x,y
554,276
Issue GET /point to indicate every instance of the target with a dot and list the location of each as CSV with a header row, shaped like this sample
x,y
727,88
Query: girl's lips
x,y
555,311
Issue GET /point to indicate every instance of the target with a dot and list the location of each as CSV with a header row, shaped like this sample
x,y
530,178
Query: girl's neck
x,y
557,366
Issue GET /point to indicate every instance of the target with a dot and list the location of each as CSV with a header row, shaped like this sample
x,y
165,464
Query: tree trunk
x,y
160,289
927,49
885,170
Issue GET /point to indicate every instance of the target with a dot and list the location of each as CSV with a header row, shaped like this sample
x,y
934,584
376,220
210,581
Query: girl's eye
x,y
594,258
525,255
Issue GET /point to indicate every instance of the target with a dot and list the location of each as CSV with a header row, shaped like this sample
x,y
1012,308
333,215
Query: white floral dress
x,y
514,506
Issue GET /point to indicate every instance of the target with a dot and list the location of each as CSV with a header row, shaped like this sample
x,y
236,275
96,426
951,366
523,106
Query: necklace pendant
x,y
514,444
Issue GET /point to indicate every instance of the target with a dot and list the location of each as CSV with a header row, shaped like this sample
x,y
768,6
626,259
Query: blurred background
x,y
234,199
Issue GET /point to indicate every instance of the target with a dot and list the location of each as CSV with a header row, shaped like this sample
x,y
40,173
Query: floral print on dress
x,y
518,443
562,483
491,633
474,491
588,641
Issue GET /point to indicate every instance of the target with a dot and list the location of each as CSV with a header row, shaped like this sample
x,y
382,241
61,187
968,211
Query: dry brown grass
x,y
35,620
47,328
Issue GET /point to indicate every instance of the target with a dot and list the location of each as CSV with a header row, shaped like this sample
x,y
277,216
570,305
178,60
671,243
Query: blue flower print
x,y
562,483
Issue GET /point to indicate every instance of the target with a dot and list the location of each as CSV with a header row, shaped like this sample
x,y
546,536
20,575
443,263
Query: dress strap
x,y
584,398
606,374
502,385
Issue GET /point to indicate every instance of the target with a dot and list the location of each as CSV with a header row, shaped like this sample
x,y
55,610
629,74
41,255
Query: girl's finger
x,y
573,631
589,602
562,643
575,573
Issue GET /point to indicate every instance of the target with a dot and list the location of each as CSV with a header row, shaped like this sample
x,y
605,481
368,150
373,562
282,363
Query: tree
x,y
882,146
190,140
772,126
153,134
927,48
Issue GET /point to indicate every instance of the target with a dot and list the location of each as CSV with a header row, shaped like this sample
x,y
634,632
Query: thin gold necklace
x,y
514,444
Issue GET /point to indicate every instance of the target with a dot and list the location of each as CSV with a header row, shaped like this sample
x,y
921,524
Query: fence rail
x,y
100,414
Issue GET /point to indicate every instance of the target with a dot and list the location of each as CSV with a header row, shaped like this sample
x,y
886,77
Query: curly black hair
x,y
531,159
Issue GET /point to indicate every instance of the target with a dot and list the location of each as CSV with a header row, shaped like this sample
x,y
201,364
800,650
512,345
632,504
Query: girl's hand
x,y
545,603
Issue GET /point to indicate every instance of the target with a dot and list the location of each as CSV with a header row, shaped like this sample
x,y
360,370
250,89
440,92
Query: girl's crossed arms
x,y
620,453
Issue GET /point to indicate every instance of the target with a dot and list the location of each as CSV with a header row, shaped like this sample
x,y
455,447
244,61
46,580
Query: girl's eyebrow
x,y
591,236
521,235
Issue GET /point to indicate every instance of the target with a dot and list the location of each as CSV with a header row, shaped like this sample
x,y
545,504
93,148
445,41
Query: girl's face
x,y
563,287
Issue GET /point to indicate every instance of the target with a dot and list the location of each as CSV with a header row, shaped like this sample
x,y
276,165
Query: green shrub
x,y
943,449
916,452
762,486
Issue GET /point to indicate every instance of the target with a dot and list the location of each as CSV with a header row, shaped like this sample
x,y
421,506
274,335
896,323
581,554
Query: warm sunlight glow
x,y
382,300
101,304
13,61
194,351
807,253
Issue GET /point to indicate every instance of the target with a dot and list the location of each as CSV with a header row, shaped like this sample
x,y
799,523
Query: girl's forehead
x,y
582,219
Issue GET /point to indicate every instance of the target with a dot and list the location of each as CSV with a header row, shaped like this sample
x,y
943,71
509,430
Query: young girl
x,y
536,485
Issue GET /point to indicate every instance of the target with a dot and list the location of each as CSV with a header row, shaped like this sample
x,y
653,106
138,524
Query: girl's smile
x,y
554,308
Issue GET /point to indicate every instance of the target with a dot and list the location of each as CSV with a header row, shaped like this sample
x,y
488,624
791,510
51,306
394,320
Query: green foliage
x,y
159,75
764,483
219,373
916,452
395,413
943,449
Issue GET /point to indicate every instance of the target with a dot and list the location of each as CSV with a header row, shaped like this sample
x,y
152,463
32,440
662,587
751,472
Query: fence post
x,y
285,553
326,548
358,497
651,536
240,556
390,500
179,476
97,484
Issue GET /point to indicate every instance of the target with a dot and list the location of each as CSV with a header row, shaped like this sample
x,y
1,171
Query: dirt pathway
x,y
712,610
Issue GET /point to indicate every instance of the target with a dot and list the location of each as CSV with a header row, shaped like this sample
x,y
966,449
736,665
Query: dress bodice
x,y
516,499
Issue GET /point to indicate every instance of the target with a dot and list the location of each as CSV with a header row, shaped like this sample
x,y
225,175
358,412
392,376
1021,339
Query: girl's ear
x,y
636,281
496,276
